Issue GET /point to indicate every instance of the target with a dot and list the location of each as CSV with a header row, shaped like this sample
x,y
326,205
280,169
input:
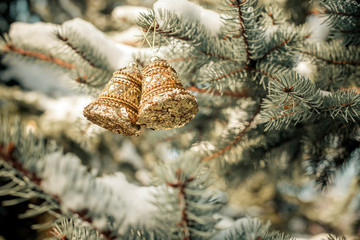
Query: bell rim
x,y
156,105
119,125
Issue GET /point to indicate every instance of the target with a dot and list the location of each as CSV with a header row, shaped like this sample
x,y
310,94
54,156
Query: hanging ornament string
x,y
153,46
145,35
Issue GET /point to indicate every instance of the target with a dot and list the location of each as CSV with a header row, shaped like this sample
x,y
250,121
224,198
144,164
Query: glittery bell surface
x,y
117,106
164,102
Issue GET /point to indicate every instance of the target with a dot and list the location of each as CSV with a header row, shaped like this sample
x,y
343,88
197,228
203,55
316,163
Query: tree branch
x,y
237,3
341,14
275,48
11,48
236,140
242,94
7,154
227,74
78,52
331,61
181,185
266,74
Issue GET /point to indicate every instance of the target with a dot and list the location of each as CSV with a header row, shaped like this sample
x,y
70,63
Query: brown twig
x,y
267,74
352,88
341,14
235,140
283,115
350,31
180,59
227,74
237,3
181,185
331,61
77,51
272,17
242,94
11,48
218,56
327,109
275,48
7,154
233,35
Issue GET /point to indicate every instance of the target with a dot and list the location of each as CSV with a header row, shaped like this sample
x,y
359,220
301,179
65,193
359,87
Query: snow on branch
x,y
190,202
191,11
171,26
121,206
76,47
247,228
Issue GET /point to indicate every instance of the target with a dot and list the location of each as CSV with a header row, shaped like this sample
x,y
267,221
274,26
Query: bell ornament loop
x,y
154,59
133,64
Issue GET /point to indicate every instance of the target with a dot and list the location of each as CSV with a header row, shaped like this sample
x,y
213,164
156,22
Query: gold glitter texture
x,y
116,108
164,104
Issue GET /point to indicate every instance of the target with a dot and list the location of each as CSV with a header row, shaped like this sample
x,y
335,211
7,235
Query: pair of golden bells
x,y
153,97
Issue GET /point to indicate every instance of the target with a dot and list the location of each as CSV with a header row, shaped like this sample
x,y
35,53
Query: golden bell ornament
x,y
164,102
116,108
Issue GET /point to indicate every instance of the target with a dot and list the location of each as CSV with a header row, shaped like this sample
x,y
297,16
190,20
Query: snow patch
x,y
136,201
118,55
112,195
319,29
38,33
188,10
128,14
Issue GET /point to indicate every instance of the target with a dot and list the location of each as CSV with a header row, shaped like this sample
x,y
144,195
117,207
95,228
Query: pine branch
x,y
65,40
51,172
343,18
226,75
274,16
234,141
82,44
192,203
334,237
223,77
68,228
330,61
247,228
215,55
284,41
7,154
329,147
242,17
181,185
237,4
171,26
269,75
242,94
66,46
10,48
341,105
336,77
51,204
